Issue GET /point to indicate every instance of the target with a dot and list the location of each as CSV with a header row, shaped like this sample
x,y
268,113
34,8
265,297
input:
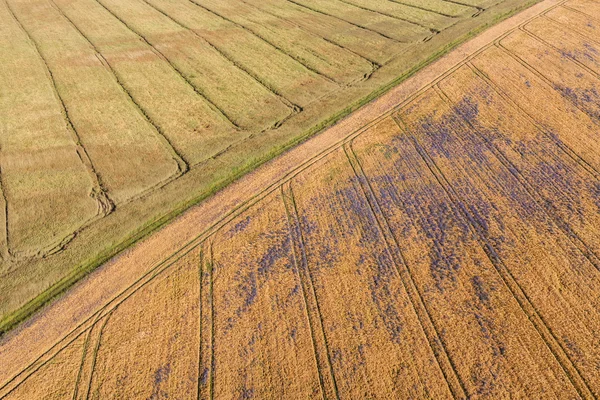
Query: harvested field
x,y
443,245
117,116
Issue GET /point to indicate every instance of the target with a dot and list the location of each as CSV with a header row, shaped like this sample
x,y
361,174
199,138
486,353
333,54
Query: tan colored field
x,y
117,116
442,242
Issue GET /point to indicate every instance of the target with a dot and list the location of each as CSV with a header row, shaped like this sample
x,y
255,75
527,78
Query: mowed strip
x,y
259,319
415,15
491,342
558,283
376,346
149,347
278,71
567,190
328,59
244,100
403,31
40,160
195,128
443,7
126,150
480,4
369,44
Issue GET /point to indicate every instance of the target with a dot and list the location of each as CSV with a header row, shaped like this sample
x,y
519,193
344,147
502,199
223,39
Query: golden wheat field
x,y
116,116
445,245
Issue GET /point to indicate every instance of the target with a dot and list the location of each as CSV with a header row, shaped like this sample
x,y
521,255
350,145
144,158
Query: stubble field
x,y
116,116
449,249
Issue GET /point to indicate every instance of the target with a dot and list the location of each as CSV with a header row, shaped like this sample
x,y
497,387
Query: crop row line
x,y
506,275
182,164
4,243
563,146
519,176
99,192
83,155
538,38
386,114
544,78
311,304
297,3
97,179
94,343
105,204
297,59
294,108
567,6
201,326
589,168
423,9
90,342
432,30
460,3
102,312
375,64
12,385
206,347
546,206
86,356
198,91
430,330
572,31
82,152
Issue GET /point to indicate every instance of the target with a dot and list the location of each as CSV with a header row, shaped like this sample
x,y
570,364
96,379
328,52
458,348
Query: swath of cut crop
x,y
413,15
569,193
195,128
124,147
243,99
481,4
492,344
368,44
554,276
446,8
49,191
274,68
557,115
393,28
573,82
376,345
149,346
262,343
568,43
55,379
319,55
